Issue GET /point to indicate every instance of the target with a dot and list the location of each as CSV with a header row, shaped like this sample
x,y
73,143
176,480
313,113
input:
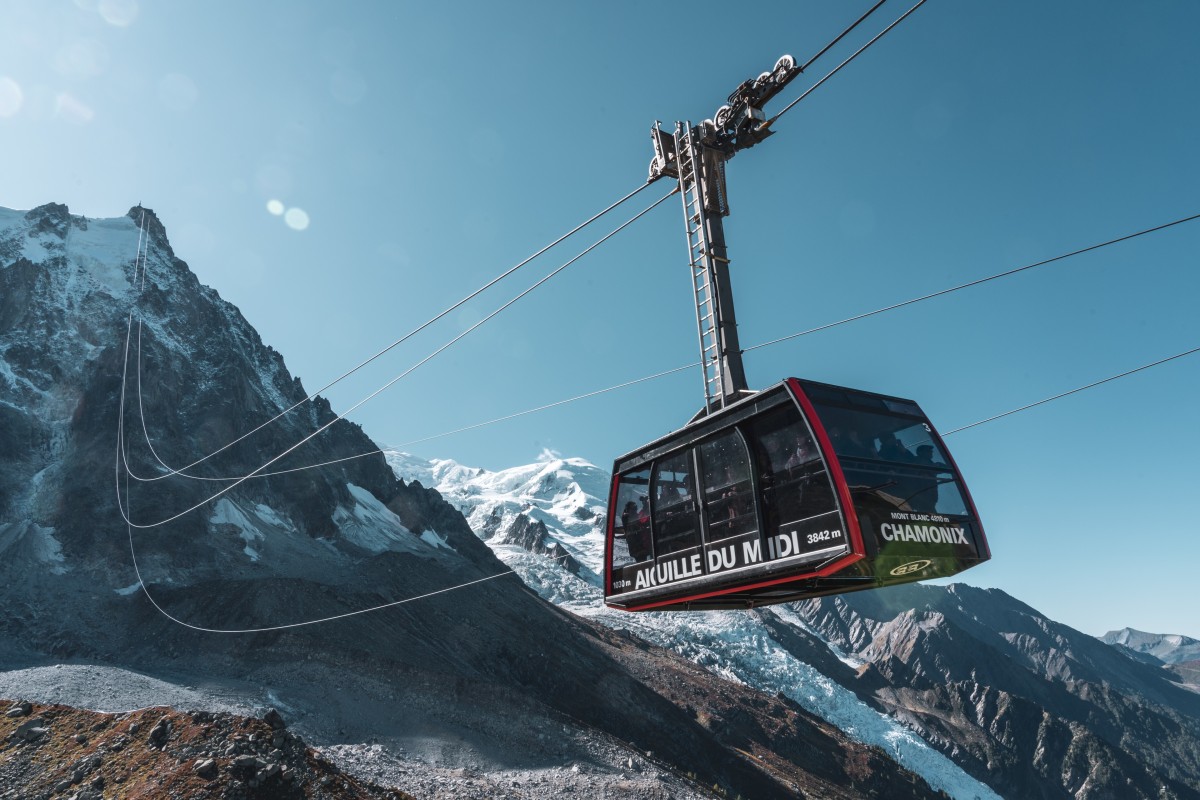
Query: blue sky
x,y
421,149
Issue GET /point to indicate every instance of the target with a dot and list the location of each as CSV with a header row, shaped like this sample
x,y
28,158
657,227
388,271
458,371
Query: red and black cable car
x,y
801,490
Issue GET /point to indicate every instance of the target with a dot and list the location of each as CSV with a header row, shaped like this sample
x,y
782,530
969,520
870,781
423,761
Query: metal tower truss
x,y
696,156
701,183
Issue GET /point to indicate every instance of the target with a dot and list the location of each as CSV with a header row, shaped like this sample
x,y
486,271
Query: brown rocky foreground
x,y
62,752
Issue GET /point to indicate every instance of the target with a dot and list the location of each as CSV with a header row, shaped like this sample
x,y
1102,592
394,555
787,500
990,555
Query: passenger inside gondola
x,y
925,484
890,448
676,526
637,532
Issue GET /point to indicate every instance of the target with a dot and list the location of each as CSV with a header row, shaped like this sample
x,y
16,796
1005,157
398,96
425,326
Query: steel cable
x,y
440,315
838,68
121,422
789,337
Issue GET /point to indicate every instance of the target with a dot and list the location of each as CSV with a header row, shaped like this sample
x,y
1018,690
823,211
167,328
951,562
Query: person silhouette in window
x,y
925,484
637,537
890,449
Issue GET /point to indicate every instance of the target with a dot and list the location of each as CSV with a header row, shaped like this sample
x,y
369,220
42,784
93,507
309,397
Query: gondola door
x,y
676,513
732,538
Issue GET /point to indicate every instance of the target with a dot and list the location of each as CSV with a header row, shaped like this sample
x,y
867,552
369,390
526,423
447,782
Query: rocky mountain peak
x,y
54,219
145,219
1165,648
363,602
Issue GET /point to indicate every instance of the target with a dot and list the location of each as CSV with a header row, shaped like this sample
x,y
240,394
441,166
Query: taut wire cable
x,y
377,392
402,339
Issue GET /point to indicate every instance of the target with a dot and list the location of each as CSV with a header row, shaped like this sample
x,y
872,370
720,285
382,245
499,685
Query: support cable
x,y
121,442
842,35
303,623
1074,391
836,69
404,338
393,451
180,471
160,609
977,282
694,364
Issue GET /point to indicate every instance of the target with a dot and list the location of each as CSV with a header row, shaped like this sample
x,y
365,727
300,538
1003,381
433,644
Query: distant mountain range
x,y
913,692
1166,648
1027,706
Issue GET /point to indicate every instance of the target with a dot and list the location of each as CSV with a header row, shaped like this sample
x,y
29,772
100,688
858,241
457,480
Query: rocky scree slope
x,y
458,668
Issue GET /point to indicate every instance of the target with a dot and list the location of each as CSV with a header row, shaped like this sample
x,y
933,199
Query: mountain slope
x,y
486,675
1166,648
1046,710
768,649
1027,706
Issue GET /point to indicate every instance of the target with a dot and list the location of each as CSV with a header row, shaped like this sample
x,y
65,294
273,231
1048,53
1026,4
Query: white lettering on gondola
x,y
669,572
752,551
931,534
727,557
720,558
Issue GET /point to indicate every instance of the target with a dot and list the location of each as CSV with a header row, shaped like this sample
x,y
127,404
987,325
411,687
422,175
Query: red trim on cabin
x,y
608,535
835,467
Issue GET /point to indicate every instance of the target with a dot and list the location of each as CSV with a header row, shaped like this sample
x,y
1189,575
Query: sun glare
x,y
72,109
120,13
296,218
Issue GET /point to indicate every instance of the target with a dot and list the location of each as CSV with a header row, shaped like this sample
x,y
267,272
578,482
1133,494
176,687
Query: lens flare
x,y
120,13
72,109
275,207
296,218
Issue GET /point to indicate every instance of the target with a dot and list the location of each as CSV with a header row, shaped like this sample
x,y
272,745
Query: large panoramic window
x,y
631,525
728,492
673,504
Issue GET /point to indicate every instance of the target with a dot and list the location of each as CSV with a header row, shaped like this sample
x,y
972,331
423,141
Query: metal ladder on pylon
x,y
695,214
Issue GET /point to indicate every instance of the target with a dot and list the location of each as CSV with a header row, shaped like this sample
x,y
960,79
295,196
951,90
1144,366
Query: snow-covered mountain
x,y
879,694
1168,648
976,692
462,668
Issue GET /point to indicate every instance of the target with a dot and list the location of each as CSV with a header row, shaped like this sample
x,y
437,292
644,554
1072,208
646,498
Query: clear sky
x,y
420,149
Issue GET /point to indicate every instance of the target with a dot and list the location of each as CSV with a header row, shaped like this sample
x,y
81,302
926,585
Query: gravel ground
x,y
487,756
114,690
634,777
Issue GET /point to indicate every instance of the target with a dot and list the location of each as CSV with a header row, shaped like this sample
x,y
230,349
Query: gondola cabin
x,y
801,490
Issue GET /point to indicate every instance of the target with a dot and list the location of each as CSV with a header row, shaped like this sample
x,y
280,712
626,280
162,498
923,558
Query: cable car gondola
x,y
801,490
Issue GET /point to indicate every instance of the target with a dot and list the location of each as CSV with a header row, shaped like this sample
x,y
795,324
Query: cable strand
x,y
838,68
842,35
369,397
440,315
976,282
1074,391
